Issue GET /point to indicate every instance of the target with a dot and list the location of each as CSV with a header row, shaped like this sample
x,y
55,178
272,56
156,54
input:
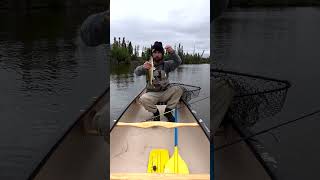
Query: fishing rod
x,y
266,130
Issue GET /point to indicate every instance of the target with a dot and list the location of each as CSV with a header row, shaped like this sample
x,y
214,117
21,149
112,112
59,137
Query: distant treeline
x,y
235,3
123,51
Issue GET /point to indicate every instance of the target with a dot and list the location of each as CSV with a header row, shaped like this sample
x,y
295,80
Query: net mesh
x,y
256,97
189,91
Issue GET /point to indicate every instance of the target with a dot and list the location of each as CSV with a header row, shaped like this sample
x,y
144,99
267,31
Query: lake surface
x,y
281,43
125,85
47,76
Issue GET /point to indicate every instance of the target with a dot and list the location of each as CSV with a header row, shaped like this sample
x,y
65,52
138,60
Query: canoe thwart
x,y
164,124
149,176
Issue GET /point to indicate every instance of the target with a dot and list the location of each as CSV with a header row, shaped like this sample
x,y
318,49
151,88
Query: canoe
x,y
81,152
130,145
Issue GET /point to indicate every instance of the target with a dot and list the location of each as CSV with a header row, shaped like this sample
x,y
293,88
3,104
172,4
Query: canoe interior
x,y
130,146
236,161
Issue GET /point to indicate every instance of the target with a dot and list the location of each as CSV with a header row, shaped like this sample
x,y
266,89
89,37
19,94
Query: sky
x,y
170,21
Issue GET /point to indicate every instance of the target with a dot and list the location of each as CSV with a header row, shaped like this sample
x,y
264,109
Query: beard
x,y
157,58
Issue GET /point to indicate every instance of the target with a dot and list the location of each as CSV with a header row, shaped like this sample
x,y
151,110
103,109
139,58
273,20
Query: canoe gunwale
x,y
201,123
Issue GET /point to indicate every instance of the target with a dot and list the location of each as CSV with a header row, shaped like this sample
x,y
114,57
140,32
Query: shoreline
x,y
119,69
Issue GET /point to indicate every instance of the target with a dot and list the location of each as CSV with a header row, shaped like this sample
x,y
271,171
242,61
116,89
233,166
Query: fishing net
x,y
256,97
189,91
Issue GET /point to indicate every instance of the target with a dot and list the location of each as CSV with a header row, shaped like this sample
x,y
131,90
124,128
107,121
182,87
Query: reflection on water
x,y
281,43
47,76
39,72
126,85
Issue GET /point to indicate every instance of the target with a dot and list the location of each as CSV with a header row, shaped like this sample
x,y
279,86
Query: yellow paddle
x,y
176,165
157,160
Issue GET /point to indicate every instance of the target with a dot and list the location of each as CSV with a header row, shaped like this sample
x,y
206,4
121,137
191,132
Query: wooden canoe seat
x,y
150,124
147,176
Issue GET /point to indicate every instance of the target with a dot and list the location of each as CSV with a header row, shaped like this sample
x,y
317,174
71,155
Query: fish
x,y
150,72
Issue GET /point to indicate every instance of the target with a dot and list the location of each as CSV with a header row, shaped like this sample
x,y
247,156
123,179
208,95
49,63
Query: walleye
x,y
150,72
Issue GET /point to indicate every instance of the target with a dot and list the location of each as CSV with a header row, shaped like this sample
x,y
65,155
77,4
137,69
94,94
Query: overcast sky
x,y
170,21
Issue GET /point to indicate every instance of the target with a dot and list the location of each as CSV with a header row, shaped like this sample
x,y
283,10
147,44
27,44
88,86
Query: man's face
x,y
157,56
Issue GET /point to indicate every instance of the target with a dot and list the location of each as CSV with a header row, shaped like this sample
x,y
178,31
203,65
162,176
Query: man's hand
x,y
169,49
147,65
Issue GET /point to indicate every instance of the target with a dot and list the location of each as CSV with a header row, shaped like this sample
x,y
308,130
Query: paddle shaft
x,y
176,129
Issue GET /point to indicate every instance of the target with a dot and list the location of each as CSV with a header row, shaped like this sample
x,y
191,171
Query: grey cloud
x,y
141,32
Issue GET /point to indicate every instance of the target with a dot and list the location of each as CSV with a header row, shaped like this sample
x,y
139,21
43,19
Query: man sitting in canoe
x,y
160,90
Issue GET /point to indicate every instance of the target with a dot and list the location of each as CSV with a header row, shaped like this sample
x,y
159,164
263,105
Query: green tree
x,y
125,52
137,50
115,43
120,55
123,44
130,49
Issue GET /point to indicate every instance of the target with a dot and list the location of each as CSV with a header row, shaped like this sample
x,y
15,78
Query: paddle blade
x,y
157,160
176,165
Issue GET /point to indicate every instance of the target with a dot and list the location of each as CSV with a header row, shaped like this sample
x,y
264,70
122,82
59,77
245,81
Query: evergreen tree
x,y
123,43
114,41
125,52
130,49
137,50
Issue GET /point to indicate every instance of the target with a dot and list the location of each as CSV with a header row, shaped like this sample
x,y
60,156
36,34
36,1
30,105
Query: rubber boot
x,y
168,115
156,116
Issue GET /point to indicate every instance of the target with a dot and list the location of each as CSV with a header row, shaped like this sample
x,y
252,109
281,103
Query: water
x,y
281,43
47,76
125,85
